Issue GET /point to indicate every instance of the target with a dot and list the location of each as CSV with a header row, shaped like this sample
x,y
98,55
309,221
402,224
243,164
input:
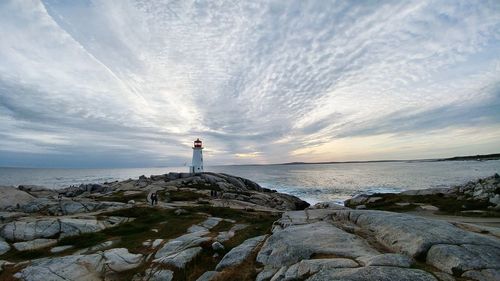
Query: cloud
x,y
130,80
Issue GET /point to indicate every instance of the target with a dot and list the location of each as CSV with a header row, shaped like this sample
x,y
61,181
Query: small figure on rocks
x,y
154,198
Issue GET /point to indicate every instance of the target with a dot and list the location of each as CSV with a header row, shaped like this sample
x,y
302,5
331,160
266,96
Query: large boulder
x,y
457,259
32,228
11,197
411,235
80,267
74,267
4,247
240,253
119,259
297,242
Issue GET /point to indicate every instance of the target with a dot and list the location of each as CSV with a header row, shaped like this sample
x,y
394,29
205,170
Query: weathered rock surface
x,y
76,267
240,253
158,274
297,242
68,207
59,249
180,259
32,228
369,273
80,267
411,235
456,259
388,260
11,197
226,235
34,244
309,267
120,259
181,243
4,247
337,244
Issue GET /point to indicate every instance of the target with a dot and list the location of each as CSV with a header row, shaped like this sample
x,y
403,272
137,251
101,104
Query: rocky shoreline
x,y
220,227
481,197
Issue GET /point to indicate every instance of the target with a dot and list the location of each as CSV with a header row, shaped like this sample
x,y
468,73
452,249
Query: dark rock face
x,y
227,186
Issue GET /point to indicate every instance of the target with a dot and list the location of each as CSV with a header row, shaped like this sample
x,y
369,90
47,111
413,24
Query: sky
x,y
122,83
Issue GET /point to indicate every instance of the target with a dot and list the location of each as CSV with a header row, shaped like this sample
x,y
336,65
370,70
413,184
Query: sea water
x,y
311,182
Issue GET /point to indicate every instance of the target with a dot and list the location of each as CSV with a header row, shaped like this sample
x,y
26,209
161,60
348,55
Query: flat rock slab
x,y
205,225
181,243
75,267
226,235
483,274
158,275
388,260
455,259
411,235
32,228
60,249
371,273
120,259
79,267
34,244
180,259
309,267
240,253
297,242
211,222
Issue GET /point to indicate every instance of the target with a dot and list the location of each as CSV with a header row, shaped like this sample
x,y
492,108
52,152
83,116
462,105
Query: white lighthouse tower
x,y
197,165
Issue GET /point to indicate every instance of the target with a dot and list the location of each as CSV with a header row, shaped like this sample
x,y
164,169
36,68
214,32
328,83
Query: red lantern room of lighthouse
x,y
197,143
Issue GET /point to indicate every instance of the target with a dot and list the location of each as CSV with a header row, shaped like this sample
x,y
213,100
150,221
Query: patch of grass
x,y
259,222
120,197
186,195
222,226
132,234
199,265
84,240
16,256
166,222
446,205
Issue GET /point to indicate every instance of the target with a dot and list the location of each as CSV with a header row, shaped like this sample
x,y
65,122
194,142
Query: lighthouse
x,y
197,164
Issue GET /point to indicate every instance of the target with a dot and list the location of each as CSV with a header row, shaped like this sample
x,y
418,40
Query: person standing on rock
x,y
154,199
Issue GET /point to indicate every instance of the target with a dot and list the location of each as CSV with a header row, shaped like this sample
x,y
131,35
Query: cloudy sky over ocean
x,y
133,83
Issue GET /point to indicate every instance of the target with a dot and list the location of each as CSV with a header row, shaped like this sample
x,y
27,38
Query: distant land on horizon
x,y
483,157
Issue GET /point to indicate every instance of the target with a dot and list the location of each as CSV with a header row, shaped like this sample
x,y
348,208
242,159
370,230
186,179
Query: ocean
x,y
311,182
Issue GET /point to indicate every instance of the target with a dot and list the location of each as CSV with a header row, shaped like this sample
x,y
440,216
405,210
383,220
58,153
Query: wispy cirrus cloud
x,y
257,80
